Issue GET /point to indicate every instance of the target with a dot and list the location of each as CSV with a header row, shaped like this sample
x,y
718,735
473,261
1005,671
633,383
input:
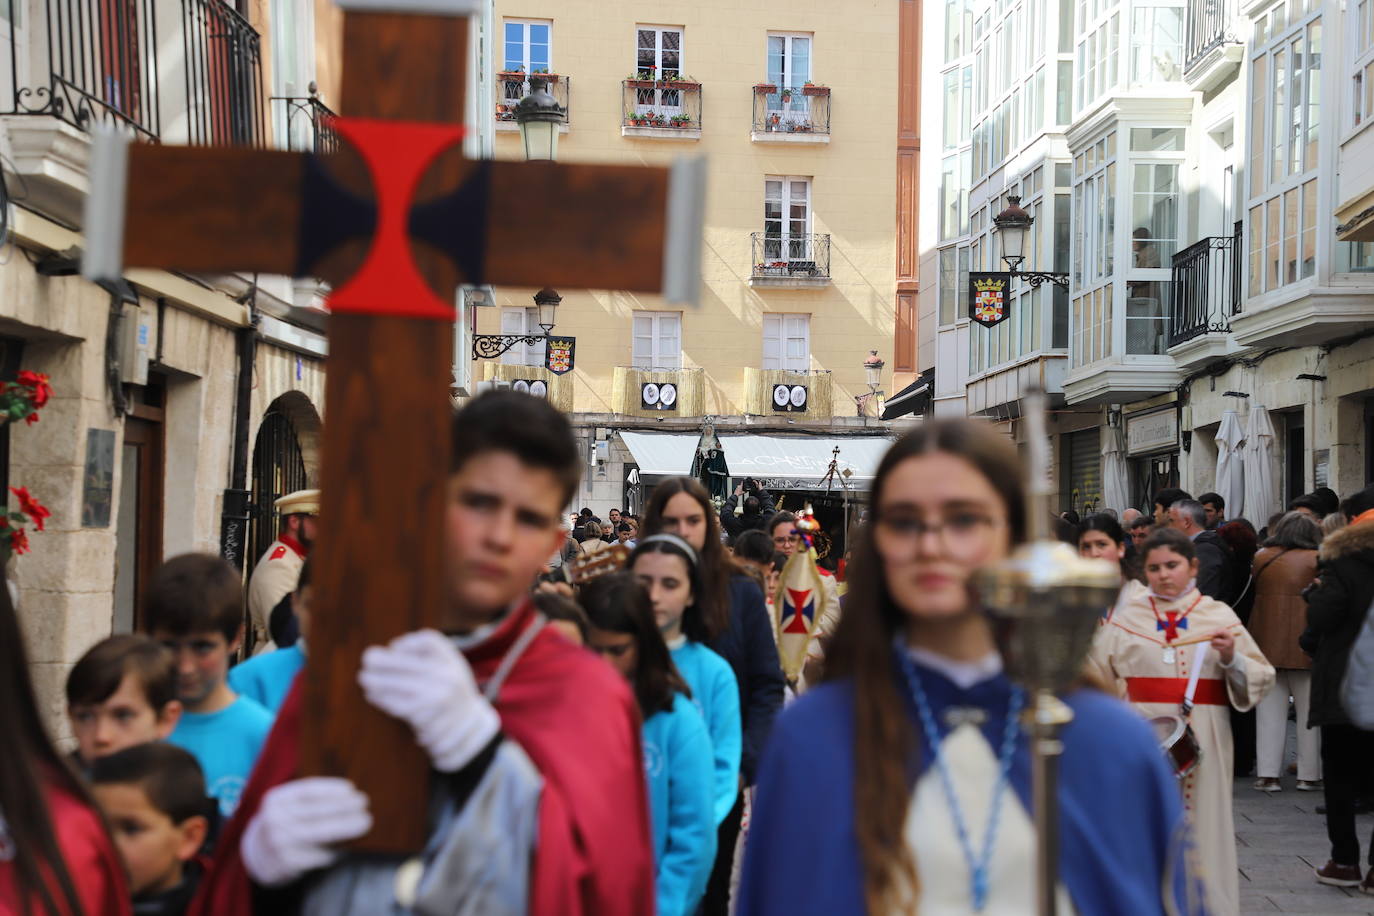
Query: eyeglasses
x,y
960,533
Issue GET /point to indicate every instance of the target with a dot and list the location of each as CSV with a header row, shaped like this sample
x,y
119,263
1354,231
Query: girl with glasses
x,y
902,783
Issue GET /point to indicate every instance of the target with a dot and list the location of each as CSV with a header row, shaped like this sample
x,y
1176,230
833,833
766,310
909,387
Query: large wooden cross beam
x,y
394,222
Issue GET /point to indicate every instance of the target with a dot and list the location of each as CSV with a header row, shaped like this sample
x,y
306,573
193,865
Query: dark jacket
x,y
735,525
1335,612
1214,573
749,647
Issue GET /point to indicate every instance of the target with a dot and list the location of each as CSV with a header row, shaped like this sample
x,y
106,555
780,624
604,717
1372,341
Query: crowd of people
x,y
628,742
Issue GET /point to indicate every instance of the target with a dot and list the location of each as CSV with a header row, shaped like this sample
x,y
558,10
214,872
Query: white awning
x,y
778,462
662,454
799,462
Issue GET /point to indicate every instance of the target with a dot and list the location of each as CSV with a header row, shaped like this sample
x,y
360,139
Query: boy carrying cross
x,y
538,801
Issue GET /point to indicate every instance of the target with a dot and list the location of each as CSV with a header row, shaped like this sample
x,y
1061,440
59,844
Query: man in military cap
x,y
275,576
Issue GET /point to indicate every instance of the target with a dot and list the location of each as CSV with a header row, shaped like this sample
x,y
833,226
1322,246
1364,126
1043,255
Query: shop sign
x,y
1152,431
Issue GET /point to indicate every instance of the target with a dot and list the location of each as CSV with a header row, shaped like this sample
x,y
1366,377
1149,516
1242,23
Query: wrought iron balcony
x,y
666,105
225,102
1208,28
792,260
88,61
84,61
1206,288
514,85
309,123
801,112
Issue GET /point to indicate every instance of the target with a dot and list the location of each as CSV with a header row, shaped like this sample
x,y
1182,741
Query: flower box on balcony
x,y
765,88
510,76
815,90
680,84
641,84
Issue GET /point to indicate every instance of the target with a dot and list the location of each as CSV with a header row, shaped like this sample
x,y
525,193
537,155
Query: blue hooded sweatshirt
x,y
679,766
716,696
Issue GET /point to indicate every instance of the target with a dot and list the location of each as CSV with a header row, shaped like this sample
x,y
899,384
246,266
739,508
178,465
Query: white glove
x,y
421,678
297,825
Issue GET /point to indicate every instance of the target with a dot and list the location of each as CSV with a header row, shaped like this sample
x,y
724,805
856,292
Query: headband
x,y
670,539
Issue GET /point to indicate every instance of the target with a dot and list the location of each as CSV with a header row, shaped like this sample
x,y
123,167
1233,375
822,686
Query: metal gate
x,y
278,469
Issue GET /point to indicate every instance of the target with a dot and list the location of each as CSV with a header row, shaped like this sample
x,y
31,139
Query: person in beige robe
x,y
1147,650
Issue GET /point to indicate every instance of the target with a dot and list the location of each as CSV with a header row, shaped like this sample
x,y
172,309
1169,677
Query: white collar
x,y
1187,590
963,674
676,643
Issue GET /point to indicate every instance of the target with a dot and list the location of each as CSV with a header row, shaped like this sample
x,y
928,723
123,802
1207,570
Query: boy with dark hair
x,y
1163,500
537,779
267,678
195,608
153,796
121,693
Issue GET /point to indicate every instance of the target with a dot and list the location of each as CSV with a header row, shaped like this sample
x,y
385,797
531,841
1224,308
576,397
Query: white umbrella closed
x,y
1231,465
1116,485
1261,499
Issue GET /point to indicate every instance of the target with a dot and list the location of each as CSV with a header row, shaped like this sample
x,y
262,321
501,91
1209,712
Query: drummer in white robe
x,y
1147,649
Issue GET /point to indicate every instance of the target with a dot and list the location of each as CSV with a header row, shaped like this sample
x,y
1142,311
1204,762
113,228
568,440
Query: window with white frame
x,y
525,322
1094,215
1155,159
789,68
1095,63
528,46
954,267
787,342
787,219
958,28
1361,40
658,55
293,70
657,340
1156,41
958,101
1285,118
955,179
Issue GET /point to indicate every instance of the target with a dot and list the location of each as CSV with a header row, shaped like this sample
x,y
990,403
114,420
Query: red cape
x,y
576,719
89,855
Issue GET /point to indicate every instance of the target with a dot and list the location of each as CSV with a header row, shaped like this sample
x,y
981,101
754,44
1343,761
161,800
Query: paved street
x,y
1280,838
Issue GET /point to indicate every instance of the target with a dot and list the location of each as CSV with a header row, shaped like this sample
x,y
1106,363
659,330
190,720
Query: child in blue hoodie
x,y
677,750
667,567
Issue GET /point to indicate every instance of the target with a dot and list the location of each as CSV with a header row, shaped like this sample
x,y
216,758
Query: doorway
x,y
1294,458
138,547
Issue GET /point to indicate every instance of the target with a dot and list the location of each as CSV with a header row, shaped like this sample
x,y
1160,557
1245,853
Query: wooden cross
x,y
395,221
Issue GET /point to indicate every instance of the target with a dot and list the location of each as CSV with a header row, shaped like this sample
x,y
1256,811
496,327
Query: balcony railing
x,y
85,61
514,85
1208,27
791,256
1206,288
783,110
223,75
666,105
309,123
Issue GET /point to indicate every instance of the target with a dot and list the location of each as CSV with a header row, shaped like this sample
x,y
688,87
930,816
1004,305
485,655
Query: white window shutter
x,y
642,348
513,322
670,341
772,342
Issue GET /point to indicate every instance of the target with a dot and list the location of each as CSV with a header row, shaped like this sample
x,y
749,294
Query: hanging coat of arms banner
x,y
987,294
558,354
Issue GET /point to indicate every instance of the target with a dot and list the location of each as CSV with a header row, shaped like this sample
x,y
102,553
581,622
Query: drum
x,y
1179,744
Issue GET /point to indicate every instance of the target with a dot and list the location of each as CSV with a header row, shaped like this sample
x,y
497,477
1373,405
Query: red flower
x,y
38,383
31,418
19,540
31,507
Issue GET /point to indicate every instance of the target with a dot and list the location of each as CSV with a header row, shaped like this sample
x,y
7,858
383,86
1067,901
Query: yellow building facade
x,y
795,108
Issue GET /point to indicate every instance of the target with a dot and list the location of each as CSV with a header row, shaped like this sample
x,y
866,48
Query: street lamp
x,y
490,346
1011,226
546,300
873,375
539,116
873,370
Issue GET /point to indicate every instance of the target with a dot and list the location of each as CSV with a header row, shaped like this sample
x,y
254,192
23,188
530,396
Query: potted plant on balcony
x,y
544,74
656,119
785,95
680,121
640,79
774,120
512,76
800,127
812,89
635,118
765,88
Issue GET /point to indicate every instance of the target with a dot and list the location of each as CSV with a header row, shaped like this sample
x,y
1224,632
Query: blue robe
x,y
1123,833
